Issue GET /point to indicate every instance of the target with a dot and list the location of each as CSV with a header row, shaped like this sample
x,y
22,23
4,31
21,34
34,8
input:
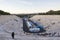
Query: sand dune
x,y
12,23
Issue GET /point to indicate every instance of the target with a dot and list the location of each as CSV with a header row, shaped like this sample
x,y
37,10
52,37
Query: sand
x,y
12,23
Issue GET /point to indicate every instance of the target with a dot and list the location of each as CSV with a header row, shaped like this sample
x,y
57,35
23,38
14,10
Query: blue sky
x,y
29,6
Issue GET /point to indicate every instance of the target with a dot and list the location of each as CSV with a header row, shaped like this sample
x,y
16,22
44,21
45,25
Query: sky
x,y
29,6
